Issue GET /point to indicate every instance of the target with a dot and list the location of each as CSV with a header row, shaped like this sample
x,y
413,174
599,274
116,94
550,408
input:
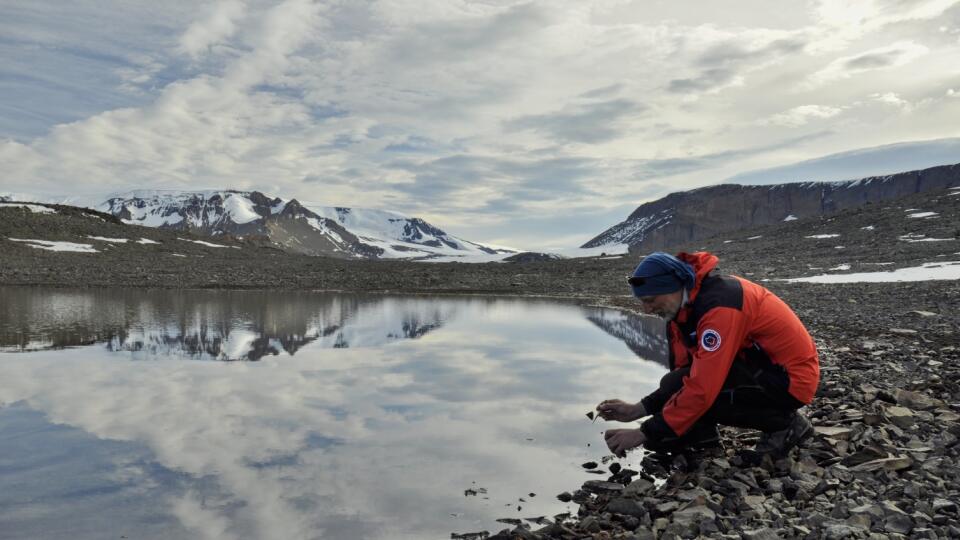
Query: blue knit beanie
x,y
661,273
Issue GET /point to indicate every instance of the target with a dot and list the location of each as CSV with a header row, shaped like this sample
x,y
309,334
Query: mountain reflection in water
x,y
433,397
249,325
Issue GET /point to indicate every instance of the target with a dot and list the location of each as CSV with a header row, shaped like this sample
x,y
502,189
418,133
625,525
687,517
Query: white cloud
x,y
473,113
841,23
892,98
887,57
801,115
219,24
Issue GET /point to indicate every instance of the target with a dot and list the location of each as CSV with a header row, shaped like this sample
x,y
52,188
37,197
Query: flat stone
x,y
834,432
916,400
875,511
865,454
638,487
898,523
922,313
627,507
590,524
861,521
755,503
901,417
891,509
482,535
943,506
600,486
733,486
902,331
760,534
838,531
667,507
895,463
693,514
947,416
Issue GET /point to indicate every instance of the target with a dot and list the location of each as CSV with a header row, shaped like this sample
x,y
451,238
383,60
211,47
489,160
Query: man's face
x,y
665,306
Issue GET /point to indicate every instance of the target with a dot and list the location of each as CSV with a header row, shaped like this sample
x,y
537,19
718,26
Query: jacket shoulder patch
x,y
710,340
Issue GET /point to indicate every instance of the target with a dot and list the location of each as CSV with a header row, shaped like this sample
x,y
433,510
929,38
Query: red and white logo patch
x,y
710,340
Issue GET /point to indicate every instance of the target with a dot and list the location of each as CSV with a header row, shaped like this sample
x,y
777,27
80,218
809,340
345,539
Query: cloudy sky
x,y
531,124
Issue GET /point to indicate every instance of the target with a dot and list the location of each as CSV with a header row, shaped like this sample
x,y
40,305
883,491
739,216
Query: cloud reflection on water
x,y
371,442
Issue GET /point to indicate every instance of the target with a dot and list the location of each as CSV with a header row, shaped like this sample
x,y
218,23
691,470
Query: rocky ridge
x,y
697,214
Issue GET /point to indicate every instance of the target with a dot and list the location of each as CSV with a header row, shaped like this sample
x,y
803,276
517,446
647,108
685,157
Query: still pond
x,y
251,414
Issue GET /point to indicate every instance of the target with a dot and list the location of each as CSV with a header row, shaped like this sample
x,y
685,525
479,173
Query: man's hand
x,y
620,411
621,440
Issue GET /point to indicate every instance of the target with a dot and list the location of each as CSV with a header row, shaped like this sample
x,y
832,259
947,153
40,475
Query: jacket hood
x,y
703,263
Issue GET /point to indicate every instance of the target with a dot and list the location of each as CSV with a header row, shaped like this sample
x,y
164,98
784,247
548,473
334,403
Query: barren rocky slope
x,y
700,213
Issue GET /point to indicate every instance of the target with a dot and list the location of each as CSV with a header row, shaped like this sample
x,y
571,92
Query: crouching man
x,y
739,356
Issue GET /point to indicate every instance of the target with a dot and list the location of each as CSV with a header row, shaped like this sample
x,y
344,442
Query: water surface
x,y
200,414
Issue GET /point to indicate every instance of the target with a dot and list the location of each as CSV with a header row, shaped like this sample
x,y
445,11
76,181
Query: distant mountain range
x,y
327,231
701,213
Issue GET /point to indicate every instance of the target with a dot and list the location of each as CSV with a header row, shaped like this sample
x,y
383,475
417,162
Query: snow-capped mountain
x,y
329,231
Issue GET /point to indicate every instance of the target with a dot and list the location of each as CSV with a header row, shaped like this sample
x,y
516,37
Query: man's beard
x,y
669,314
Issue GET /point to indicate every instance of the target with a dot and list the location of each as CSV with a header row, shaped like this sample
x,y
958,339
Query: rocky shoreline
x,y
882,463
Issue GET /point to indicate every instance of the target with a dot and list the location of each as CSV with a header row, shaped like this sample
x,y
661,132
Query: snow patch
x,y
922,215
947,270
402,237
57,246
818,236
599,251
755,237
240,209
35,208
208,244
914,237
147,241
867,228
106,239
316,224
841,267
471,259
791,217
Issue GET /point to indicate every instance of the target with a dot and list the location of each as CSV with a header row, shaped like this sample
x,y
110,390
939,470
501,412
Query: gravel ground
x,y
883,461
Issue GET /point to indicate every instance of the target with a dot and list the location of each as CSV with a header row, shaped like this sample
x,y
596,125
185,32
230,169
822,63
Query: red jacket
x,y
724,316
